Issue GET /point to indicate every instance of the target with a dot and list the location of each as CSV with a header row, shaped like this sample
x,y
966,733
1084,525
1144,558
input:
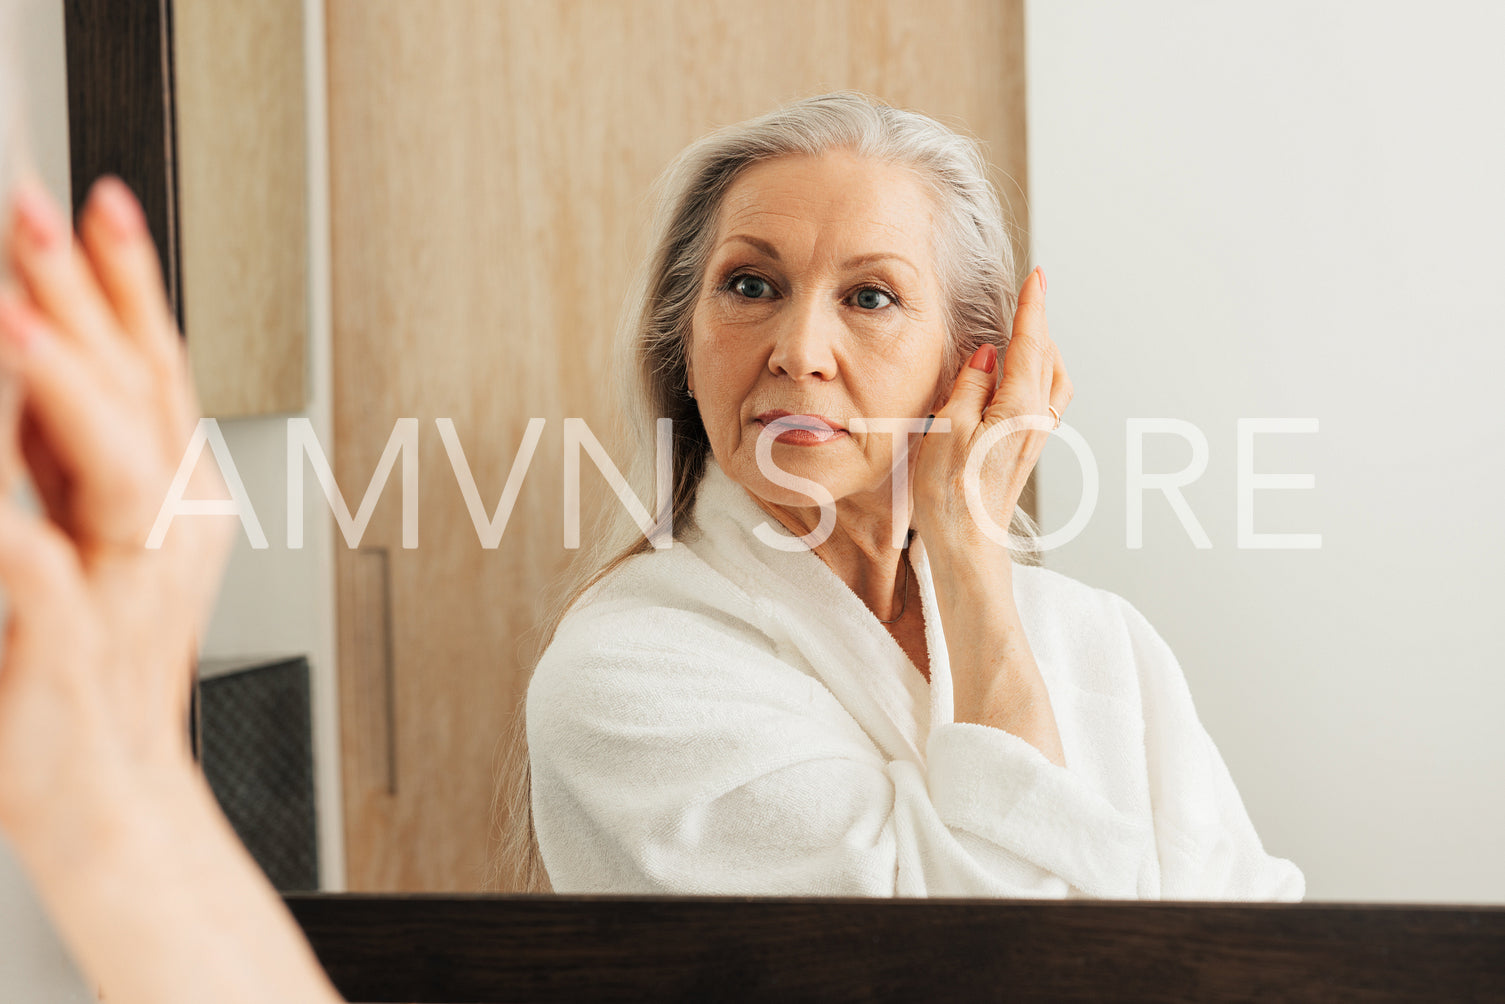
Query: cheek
x,y
911,377
707,335
723,358
930,373
716,383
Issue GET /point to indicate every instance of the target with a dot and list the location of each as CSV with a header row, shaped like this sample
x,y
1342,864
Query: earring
x,y
691,392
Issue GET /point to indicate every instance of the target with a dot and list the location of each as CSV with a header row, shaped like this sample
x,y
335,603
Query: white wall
x,y
1295,209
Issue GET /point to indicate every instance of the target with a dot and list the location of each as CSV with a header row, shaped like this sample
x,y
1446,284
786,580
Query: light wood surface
x,y
242,190
490,163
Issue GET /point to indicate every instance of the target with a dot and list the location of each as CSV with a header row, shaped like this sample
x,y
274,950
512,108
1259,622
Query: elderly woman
x,y
835,679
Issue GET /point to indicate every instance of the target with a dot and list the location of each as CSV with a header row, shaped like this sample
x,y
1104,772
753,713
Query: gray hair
x,y
976,270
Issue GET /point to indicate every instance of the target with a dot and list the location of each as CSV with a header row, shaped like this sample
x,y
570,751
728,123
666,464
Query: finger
x,y
1027,359
177,399
120,247
46,479
971,390
54,270
1060,384
64,395
11,461
38,567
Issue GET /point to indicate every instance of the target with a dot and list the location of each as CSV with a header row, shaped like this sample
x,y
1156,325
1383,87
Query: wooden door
x,y
490,162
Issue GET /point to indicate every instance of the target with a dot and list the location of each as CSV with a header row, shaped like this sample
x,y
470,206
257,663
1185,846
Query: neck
x,y
859,550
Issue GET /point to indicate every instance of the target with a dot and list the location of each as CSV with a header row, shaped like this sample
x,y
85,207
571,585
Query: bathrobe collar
x,y
806,608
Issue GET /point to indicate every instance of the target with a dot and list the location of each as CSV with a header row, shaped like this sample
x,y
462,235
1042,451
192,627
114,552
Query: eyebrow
x,y
862,259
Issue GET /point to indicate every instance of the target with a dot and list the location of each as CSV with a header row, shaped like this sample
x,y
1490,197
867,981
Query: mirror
x,y
1272,278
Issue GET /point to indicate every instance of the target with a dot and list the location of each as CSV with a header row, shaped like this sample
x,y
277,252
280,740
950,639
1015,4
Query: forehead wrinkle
x,y
734,215
745,217
746,211
885,251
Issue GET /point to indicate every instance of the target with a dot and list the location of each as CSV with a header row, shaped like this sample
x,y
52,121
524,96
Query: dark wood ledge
x,y
479,949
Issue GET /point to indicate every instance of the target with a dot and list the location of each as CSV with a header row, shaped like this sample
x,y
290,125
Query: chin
x,y
792,462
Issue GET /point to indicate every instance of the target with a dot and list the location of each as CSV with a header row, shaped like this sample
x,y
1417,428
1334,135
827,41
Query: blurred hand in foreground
x,y
100,644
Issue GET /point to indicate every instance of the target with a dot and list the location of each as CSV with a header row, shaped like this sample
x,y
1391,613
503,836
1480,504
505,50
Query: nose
x,y
804,342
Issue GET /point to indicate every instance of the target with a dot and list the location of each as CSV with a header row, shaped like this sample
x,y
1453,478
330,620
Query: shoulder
x,y
661,627
666,597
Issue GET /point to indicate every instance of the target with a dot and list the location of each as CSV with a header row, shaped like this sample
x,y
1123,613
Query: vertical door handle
x,y
375,683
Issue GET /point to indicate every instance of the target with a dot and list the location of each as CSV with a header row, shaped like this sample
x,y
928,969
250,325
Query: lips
x,y
812,423
790,427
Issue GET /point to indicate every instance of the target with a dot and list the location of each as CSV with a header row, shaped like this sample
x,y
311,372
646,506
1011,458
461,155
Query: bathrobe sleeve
x,y
700,763
1205,840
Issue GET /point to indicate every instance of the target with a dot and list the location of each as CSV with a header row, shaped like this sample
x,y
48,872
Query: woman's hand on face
x,y
99,649
1033,379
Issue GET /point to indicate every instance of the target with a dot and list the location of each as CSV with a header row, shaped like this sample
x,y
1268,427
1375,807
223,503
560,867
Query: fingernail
x,y
1041,270
984,358
118,206
39,218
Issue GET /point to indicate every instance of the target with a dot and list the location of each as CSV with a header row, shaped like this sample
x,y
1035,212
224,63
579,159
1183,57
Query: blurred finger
x,y
64,395
120,248
46,479
11,461
38,567
56,273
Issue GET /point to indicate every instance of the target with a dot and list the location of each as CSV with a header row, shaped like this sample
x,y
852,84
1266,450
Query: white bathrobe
x,y
723,717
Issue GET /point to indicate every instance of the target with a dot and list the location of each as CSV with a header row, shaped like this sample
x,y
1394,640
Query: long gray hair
x,y
976,268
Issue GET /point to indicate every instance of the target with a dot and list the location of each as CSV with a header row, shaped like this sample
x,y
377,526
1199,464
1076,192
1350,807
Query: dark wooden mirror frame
x,y
575,948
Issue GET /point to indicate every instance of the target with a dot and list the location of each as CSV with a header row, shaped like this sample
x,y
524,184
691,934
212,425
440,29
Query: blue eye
x,y
873,298
750,286
753,287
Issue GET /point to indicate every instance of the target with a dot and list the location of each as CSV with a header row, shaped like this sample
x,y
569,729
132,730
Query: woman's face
x,y
821,299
